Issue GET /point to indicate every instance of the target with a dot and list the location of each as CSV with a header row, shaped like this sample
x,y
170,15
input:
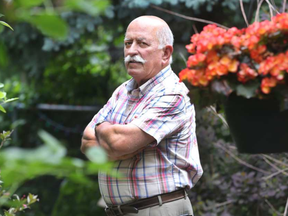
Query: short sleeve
x,y
162,116
104,113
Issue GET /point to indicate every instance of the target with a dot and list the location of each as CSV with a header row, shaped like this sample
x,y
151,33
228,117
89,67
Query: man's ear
x,y
167,52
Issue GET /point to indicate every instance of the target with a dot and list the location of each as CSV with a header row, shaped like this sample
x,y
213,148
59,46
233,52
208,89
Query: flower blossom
x,y
258,52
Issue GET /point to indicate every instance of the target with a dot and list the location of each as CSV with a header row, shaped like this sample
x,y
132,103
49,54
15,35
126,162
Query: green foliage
x,y
4,23
93,8
191,4
28,4
4,136
97,155
49,24
3,98
15,205
46,17
22,164
19,165
248,90
78,199
18,205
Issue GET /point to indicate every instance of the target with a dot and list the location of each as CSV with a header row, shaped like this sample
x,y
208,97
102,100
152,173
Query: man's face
x,y
141,40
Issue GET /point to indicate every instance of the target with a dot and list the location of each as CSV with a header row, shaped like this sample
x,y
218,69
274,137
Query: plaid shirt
x,y
161,108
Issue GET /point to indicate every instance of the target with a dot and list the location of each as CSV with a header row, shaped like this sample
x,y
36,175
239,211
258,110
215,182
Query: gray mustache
x,y
135,58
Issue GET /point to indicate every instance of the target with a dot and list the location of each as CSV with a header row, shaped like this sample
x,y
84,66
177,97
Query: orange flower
x,y
274,65
281,21
197,59
183,74
259,51
246,73
190,48
231,64
268,83
225,60
222,70
212,56
256,53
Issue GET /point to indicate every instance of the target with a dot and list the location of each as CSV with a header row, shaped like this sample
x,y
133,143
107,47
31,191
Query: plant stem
x,y
257,11
241,161
187,17
243,12
286,208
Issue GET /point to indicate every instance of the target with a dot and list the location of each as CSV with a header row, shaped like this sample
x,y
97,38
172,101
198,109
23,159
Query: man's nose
x,y
132,50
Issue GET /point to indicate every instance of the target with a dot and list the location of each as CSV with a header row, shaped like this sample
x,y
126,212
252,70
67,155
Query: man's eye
x,y
127,43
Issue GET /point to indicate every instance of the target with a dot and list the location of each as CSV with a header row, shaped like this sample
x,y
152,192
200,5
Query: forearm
x,y
107,137
122,140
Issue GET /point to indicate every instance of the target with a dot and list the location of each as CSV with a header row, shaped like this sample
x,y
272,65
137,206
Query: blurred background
x,y
63,61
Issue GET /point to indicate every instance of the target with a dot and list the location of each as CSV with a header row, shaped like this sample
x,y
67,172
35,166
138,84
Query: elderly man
x,y
148,128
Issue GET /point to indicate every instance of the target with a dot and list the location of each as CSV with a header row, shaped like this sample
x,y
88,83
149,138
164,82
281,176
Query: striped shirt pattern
x,y
161,108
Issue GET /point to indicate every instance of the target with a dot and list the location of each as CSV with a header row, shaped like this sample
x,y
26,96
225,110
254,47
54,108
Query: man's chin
x,y
134,72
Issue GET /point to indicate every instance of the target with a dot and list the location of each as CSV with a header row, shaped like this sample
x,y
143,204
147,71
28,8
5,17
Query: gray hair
x,y
165,37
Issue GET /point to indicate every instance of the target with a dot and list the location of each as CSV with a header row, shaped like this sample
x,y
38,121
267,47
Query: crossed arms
x,y
120,141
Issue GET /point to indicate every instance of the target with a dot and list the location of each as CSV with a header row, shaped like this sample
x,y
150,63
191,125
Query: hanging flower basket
x,y
257,126
247,71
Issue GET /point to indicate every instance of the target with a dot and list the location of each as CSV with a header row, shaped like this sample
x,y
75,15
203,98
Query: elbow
x,y
85,144
82,147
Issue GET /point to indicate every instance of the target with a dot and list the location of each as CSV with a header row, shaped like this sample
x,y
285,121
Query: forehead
x,y
141,31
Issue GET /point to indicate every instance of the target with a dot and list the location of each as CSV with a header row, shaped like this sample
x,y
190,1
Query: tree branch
x,y
273,174
286,208
275,160
272,207
240,160
243,12
218,205
284,6
187,17
275,167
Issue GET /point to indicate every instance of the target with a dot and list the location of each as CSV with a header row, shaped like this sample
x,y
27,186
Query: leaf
x,y
1,85
93,8
28,4
32,198
2,94
3,55
6,213
2,109
49,24
1,15
6,134
53,144
10,100
6,24
96,154
247,90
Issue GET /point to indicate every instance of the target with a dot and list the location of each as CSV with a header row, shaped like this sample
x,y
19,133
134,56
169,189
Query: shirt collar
x,y
147,86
